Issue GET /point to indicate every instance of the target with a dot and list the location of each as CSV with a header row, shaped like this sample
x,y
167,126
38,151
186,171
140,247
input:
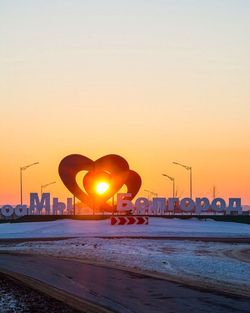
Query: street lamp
x,y
148,191
23,168
46,185
151,193
173,180
189,168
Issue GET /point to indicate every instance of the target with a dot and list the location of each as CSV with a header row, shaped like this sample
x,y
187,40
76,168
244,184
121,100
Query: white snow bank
x,y
157,227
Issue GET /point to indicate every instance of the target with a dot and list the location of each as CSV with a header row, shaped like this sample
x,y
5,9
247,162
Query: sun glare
x,y
102,187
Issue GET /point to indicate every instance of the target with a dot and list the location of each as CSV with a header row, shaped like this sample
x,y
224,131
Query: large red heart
x,y
112,168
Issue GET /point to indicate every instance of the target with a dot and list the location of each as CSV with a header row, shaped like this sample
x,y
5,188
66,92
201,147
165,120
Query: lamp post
x,y
154,194
173,180
214,192
151,193
188,168
23,168
148,191
46,185
74,204
113,204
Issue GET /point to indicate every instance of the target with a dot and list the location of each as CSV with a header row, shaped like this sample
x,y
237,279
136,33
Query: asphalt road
x,y
120,291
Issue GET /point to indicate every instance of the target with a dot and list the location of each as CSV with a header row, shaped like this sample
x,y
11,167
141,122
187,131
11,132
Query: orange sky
x,y
152,81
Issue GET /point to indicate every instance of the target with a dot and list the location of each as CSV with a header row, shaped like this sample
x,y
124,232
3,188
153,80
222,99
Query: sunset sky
x,y
151,80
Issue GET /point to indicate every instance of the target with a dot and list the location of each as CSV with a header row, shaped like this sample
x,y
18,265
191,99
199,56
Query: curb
x,y
58,294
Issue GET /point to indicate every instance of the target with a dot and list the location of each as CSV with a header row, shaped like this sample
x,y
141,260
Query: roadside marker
x,y
129,220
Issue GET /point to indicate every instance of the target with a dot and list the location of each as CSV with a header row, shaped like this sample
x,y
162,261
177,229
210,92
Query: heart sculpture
x,y
111,169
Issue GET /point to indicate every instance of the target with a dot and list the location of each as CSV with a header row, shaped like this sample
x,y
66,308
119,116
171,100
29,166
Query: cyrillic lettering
x,y
202,204
123,204
36,205
58,207
172,204
218,205
7,210
237,208
70,206
187,204
21,210
159,205
141,205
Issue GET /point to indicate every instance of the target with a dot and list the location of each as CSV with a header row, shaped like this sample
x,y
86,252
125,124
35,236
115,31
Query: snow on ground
x,y
157,227
215,265
223,266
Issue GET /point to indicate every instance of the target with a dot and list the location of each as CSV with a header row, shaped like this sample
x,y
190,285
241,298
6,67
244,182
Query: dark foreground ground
x,y
17,298
43,218
116,290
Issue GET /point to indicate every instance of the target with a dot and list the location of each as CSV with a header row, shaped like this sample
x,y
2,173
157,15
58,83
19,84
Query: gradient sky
x,y
154,81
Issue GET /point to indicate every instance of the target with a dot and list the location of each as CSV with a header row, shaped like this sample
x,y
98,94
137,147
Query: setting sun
x,y
102,187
